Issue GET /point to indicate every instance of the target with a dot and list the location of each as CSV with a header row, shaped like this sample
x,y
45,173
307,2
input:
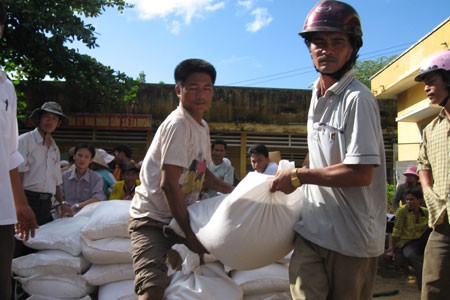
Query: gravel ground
x,y
389,280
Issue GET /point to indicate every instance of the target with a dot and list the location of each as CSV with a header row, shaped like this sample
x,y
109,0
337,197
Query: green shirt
x,y
406,228
434,156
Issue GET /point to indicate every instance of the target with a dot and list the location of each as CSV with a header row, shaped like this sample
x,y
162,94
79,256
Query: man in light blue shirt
x,y
81,185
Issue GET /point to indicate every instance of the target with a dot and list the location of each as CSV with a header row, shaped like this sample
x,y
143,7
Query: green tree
x,y
390,198
365,69
35,46
141,77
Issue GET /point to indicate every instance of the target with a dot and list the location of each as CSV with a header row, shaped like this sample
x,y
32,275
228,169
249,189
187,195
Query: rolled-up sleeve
x,y
15,159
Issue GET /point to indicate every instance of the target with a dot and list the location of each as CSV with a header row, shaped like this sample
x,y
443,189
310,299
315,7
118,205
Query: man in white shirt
x,y
40,171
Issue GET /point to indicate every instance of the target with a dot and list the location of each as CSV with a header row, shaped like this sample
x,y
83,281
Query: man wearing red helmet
x,y
342,224
434,169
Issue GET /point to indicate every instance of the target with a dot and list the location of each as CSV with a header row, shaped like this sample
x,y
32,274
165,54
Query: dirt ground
x,y
391,280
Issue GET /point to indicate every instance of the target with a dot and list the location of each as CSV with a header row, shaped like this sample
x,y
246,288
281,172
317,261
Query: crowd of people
x,y
90,175
343,217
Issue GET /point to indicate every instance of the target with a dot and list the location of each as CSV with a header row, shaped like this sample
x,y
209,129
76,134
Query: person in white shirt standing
x,y
14,208
40,171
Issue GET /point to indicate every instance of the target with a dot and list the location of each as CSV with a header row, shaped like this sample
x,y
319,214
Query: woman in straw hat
x,y
411,182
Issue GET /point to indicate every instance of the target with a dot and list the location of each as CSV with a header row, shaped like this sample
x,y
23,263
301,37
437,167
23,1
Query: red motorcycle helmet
x,y
335,16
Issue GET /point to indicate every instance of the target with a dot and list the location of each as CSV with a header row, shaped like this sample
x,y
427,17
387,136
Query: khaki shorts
x,y
149,245
321,274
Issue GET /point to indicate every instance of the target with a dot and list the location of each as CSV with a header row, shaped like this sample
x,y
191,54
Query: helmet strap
x,y
444,102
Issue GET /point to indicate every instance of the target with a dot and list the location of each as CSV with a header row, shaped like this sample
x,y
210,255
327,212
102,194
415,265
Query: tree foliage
x,y
365,69
35,45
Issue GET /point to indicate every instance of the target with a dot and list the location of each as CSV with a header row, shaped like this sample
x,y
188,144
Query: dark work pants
x,y
6,256
413,251
41,204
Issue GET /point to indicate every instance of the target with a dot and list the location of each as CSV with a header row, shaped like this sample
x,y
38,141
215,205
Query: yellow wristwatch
x,y
295,181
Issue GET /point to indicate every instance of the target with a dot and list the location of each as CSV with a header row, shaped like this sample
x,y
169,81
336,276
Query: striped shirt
x,y
406,227
434,156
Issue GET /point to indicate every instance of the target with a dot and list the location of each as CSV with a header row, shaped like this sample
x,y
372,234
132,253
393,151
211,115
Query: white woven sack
x,y
49,262
270,296
88,210
107,251
62,286
119,290
110,219
249,228
99,275
286,259
37,297
207,282
60,234
273,278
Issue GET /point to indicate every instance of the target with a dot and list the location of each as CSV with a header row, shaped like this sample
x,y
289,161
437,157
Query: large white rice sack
x,y
108,220
206,282
88,210
99,275
273,278
119,290
62,286
107,251
270,296
249,228
60,234
37,297
49,262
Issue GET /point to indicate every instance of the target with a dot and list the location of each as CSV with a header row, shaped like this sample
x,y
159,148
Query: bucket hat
x,y
98,159
106,156
411,170
51,107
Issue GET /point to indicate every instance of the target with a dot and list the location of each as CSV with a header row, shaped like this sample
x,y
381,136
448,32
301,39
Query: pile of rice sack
x,y
248,233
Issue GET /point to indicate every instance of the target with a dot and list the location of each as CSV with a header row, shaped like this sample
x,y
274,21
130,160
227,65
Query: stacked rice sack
x,y
195,281
54,272
267,283
106,244
249,231
270,282
212,280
